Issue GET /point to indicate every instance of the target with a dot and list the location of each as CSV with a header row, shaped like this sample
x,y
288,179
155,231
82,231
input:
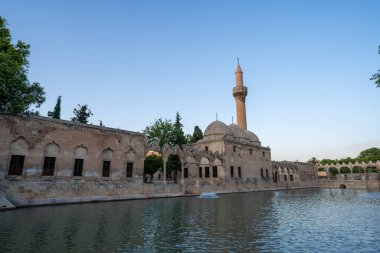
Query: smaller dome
x,y
238,131
253,137
217,128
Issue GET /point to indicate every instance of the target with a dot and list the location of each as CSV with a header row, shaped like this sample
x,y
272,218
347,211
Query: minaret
x,y
240,92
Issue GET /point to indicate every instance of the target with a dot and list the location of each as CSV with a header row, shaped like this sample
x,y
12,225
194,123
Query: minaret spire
x,y
240,92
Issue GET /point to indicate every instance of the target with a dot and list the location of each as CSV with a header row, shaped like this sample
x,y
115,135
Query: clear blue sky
x,y
306,64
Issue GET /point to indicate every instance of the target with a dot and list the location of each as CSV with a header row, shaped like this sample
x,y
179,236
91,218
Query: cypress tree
x,y
57,109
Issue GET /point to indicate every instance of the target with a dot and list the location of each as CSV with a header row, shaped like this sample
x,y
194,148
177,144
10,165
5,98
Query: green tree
x,y
188,138
17,94
173,165
313,161
57,109
82,113
328,161
34,113
160,131
357,169
376,77
197,135
333,171
179,135
371,154
152,163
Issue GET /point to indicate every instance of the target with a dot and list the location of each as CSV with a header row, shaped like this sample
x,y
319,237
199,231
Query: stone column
x,y
182,172
165,152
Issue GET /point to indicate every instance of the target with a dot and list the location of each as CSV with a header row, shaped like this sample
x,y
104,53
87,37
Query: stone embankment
x,y
5,204
351,184
36,193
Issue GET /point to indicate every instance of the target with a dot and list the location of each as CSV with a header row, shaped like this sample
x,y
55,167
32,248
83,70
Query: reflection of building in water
x,y
47,159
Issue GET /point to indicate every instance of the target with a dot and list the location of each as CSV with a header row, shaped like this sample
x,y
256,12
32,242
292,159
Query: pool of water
x,y
313,220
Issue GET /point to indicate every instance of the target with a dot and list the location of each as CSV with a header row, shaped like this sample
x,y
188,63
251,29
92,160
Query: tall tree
x,y
82,113
161,131
197,135
376,77
179,135
173,165
371,154
17,94
57,109
152,163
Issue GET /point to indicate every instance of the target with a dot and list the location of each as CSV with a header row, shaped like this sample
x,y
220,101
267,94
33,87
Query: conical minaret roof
x,y
238,69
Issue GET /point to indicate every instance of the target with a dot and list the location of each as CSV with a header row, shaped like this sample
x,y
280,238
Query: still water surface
x,y
314,220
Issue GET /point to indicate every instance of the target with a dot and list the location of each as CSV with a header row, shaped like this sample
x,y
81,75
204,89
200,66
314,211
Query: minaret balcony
x,y
240,91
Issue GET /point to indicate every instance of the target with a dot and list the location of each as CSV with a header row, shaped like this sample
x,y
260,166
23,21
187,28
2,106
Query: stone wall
x,y
351,184
33,193
36,138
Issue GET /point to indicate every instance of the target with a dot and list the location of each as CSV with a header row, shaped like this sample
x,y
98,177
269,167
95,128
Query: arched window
x,y
79,155
51,151
18,150
215,171
207,171
107,157
130,159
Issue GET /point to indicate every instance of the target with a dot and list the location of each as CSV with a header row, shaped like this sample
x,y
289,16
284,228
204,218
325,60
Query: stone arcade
x,y
49,161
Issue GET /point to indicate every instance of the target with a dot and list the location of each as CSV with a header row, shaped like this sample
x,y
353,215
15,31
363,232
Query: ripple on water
x,y
315,220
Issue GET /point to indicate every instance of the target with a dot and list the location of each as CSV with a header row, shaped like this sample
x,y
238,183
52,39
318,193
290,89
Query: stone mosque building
x,y
50,161
243,155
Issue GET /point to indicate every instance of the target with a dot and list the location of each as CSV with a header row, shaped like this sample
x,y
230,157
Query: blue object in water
x,y
208,195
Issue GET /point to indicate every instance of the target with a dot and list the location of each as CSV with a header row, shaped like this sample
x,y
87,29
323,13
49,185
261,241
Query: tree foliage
x,y
17,94
81,114
57,109
166,132
333,171
160,131
376,77
179,135
357,169
368,155
152,163
371,154
197,135
173,165
313,161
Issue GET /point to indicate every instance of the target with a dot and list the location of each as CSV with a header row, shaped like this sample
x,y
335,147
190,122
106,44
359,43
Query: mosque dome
x,y
238,132
244,135
253,138
217,128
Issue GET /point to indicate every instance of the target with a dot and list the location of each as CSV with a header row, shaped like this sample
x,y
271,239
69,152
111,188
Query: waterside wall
x,y
35,193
